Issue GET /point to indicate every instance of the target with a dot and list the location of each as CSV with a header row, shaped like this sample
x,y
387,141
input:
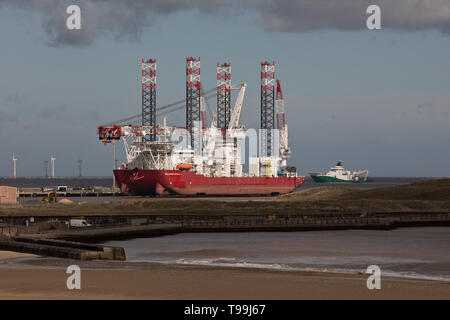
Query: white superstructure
x,y
339,174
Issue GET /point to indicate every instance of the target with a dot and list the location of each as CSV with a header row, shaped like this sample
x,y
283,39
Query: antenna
x,y
53,166
14,159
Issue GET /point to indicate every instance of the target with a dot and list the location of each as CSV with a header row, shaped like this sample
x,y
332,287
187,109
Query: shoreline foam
x,y
164,282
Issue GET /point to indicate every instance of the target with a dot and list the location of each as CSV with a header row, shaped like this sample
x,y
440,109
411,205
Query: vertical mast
x,y
224,108
149,97
223,95
193,88
267,106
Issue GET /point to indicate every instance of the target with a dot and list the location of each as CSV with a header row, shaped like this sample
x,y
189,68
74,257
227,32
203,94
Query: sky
x,y
376,99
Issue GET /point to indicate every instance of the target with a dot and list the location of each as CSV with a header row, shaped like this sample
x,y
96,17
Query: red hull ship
x,y
177,182
205,160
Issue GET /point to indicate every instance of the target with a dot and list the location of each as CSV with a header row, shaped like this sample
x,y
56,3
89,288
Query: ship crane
x,y
112,131
281,124
171,107
234,121
236,114
203,102
356,174
202,159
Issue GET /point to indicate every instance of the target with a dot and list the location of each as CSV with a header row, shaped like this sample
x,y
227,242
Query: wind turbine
x,y
79,166
14,159
53,166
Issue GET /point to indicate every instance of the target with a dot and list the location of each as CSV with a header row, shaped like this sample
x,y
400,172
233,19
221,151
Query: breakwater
x,y
62,249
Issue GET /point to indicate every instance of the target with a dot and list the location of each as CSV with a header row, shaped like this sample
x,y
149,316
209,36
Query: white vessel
x,y
339,174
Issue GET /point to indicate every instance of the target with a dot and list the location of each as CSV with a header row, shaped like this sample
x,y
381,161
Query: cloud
x,y
308,15
119,18
125,19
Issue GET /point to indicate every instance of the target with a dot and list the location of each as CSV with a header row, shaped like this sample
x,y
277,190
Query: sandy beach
x,y
171,282
4,255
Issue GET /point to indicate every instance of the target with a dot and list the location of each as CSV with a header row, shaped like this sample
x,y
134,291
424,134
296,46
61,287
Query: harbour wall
x,y
123,227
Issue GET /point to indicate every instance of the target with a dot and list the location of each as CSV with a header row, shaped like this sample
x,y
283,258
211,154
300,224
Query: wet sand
x,y
170,282
4,255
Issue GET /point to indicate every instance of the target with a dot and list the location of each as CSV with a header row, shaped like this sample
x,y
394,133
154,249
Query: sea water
x,y
407,252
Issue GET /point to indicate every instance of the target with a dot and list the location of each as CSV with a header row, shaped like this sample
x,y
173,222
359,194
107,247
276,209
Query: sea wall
x,y
62,249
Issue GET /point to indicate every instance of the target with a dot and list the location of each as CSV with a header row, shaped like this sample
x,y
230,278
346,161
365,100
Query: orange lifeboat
x,y
184,166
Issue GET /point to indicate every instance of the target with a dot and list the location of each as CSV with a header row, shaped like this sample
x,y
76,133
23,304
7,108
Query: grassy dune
x,y
425,190
424,196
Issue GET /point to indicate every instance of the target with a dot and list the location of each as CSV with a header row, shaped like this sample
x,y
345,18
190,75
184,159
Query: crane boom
x,y
281,122
236,114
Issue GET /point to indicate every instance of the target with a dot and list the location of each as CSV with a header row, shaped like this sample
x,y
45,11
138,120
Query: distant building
x,y
8,195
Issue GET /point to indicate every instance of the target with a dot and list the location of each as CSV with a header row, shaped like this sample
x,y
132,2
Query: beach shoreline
x,y
7,255
170,282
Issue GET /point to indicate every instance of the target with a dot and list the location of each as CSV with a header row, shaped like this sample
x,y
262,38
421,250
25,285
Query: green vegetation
x,y
425,190
423,196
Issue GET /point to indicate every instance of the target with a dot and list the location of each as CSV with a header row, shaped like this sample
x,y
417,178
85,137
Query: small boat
x,y
339,174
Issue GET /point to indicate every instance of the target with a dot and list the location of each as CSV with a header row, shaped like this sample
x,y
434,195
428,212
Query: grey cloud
x,y
126,19
307,15
119,18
